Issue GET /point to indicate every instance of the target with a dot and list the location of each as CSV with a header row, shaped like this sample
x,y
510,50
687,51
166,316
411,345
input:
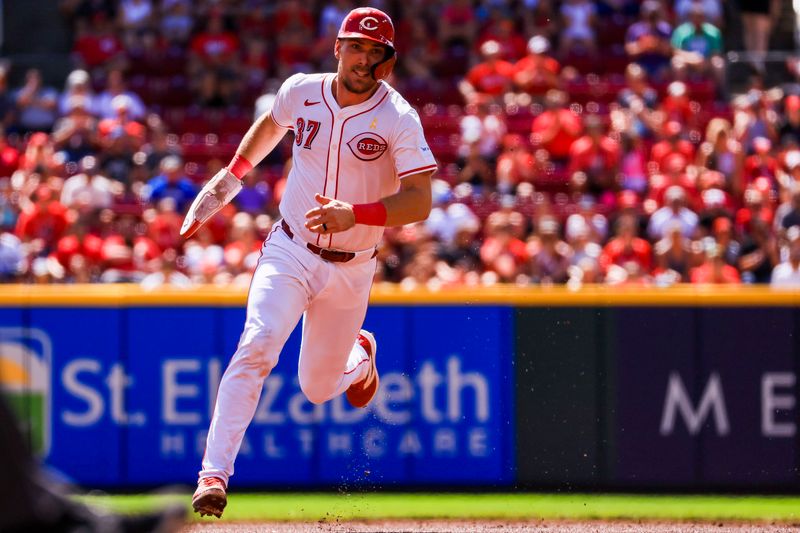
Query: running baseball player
x,y
360,163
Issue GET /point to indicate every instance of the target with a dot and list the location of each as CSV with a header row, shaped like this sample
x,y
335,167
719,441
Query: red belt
x,y
334,256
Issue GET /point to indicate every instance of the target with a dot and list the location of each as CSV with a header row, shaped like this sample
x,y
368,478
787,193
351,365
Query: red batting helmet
x,y
374,25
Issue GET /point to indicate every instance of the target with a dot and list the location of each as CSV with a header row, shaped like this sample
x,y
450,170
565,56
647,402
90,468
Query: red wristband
x,y
239,166
373,214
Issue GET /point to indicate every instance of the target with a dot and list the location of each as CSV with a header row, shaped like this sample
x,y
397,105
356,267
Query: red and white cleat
x,y
210,497
361,393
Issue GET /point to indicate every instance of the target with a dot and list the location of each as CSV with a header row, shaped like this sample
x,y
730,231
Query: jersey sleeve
x,y
283,103
410,150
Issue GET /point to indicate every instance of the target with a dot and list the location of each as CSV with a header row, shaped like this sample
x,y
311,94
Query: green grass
x,y
365,506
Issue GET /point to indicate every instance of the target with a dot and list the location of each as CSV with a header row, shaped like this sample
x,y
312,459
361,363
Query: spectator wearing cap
x,y
116,86
556,128
36,104
78,84
45,219
88,189
677,106
581,238
674,210
626,247
647,42
714,269
597,156
549,255
456,231
697,48
756,207
172,183
674,174
789,129
787,273
489,80
761,162
578,20
482,130
759,253
537,72
671,144
722,153
75,134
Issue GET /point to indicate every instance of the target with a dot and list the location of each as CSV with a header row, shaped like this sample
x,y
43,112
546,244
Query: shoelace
x,y
209,481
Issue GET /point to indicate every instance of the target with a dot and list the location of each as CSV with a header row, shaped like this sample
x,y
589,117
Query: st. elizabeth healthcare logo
x,y
25,367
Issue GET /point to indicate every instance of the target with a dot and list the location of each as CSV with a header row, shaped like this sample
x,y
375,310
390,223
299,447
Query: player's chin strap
x,y
382,69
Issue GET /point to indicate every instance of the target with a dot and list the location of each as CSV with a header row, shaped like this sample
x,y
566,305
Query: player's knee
x,y
316,390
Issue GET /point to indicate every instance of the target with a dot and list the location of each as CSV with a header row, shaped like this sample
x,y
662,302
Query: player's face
x,y
356,58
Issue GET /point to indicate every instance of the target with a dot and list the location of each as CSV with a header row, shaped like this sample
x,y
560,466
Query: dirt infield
x,y
437,526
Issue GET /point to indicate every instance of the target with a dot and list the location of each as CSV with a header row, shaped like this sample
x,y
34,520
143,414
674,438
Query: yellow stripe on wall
x,y
603,296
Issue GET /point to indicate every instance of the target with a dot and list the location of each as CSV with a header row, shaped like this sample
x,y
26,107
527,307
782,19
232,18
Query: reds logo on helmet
x,y
367,146
374,25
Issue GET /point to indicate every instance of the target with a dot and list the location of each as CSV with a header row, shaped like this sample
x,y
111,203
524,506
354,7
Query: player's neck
x,y
346,98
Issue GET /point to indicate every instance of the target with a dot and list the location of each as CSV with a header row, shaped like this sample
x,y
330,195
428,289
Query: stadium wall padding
x,y
643,390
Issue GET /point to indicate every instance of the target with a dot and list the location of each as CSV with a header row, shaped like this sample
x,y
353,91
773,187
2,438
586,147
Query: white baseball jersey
x,y
357,154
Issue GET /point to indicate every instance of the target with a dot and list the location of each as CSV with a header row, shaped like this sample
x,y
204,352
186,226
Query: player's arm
x,y
411,203
260,140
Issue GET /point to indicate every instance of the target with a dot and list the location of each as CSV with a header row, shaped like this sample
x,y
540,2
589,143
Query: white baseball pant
x,y
290,281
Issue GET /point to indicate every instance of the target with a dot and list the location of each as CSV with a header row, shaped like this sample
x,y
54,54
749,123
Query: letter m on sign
x,y
677,401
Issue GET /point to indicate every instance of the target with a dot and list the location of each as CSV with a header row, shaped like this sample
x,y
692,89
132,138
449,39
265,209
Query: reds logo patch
x,y
367,146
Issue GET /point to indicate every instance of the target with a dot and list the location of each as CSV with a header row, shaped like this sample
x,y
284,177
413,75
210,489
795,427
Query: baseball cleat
x,y
361,393
210,497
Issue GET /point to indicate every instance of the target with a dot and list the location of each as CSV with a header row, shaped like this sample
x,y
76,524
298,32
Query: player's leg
x,y
331,358
275,303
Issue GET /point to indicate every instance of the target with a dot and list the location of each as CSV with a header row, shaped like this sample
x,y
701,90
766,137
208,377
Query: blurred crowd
x,y
579,141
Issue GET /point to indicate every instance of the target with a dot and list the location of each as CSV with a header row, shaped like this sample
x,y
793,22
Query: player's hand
x,y
332,216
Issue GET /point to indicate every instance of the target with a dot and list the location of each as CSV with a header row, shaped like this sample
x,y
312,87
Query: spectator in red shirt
x,y
501,252
672,143
714,269
597,156
79,241
458,24
126,254
677,106
626,247
490,79
556,128
761,163
296,33
515,164
674,173
214,47
98,44
45,219
164,224
9,156
537,72
512,44
122,130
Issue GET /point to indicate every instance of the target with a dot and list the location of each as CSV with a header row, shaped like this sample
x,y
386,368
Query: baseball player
x,y
360,163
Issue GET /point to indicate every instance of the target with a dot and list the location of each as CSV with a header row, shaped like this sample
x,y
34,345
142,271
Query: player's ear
x,y
336,46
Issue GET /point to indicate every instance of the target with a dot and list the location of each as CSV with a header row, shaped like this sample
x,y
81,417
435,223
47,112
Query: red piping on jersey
x,y
339,154
330,138
420,169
